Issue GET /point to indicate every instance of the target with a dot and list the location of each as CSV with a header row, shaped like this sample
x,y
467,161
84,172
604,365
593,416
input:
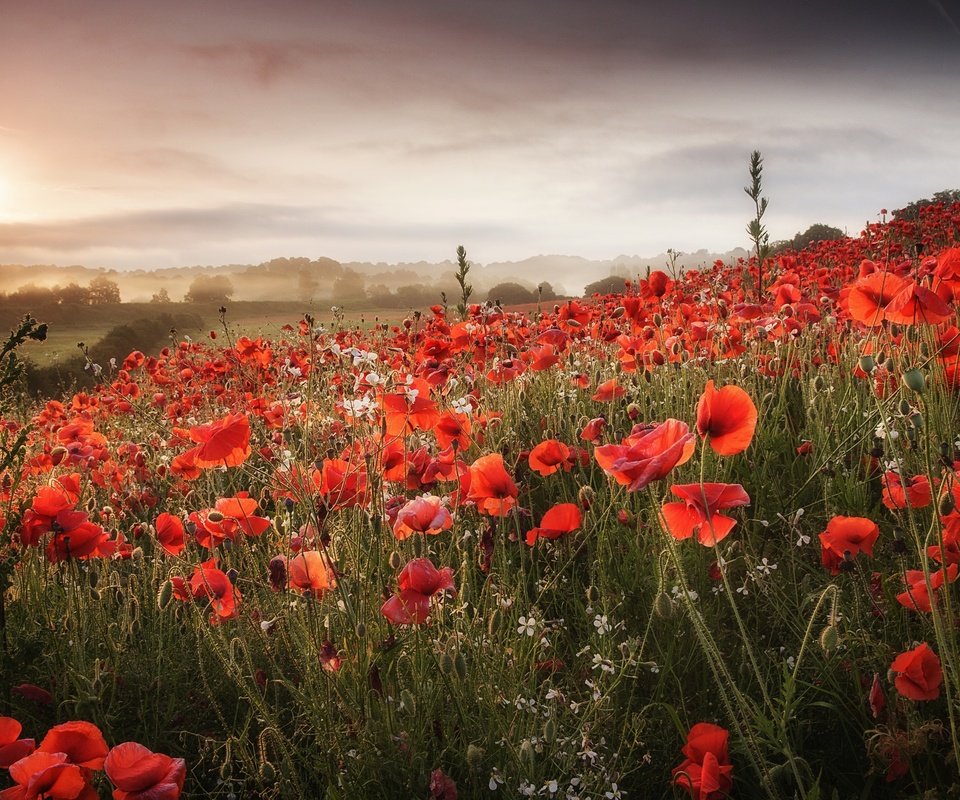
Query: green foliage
x,y
609,285
212,289
756,230
511,293
818,232
911,211
466,289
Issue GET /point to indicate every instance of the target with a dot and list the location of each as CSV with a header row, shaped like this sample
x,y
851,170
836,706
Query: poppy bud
x,y
446,663
657,319
905,408
549,731
618,312
164,595
947,504
913,379
278,573
663,605
888,365
592,594
829,638
460,666
396,560
232,575
867,364
623,517
406,699
361,630
93,578
819,383
474,757
586,496
526,752
493,625
57,454
267,773
215,516
916,420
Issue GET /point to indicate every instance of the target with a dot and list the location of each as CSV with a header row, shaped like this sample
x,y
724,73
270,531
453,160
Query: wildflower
x,y
491,487
648,454
423,515
419,580
224,443
728,416
548,456
698,511
844,538
12,748
559,520
527,625
139,774
918,673
706,773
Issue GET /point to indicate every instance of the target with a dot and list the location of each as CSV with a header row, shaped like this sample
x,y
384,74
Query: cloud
x,y
267,62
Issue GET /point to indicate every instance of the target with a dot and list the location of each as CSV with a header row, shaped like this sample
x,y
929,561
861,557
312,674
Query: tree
x,y
546,292
912,210
163,296
73,294
511,293
103,291
612,284
818,232
210,289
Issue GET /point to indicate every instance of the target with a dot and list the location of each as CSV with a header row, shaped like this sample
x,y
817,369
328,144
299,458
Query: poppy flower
x,y
228,517
915,305
593,429
707,773
728,416
170,533
210,582
648,454
453,427
13,748
45,775
224,443
869,297
139,774
916,493
558,521
491,487
609,391
422,515
548,456
844,538
34,693
81,742
917,595
419,580
918,673
698,511
311,573
409,409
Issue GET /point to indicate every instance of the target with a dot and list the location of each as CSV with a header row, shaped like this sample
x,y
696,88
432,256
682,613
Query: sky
x,y
139,134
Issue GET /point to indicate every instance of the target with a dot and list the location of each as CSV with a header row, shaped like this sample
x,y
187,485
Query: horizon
x,y
153,137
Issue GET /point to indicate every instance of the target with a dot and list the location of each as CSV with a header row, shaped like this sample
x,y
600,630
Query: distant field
x,y
69,325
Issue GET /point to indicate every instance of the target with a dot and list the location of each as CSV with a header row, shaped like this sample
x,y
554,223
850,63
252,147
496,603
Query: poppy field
x,y
696,539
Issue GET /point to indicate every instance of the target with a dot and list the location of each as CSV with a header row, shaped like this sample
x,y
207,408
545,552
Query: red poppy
x,y
422,515
491,487
593,429
647,454
918,673
707,773
224,443
139,774
917,596
419,581
728,416
869,297
228,517
698,511
45,775
210,582
558,521
915,305
409,409
916,493
13,748
609,391
310,572
170,533
453,427
548,456
81,742
844,538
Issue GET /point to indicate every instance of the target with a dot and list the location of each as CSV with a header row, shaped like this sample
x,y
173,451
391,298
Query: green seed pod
x,y
446,663
829,638
550,731
406,697
164,595
916,420
460,666
914,380
867,364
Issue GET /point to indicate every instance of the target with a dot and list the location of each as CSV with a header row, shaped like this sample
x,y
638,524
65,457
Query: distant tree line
x,y
912,210
101,291
818,232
